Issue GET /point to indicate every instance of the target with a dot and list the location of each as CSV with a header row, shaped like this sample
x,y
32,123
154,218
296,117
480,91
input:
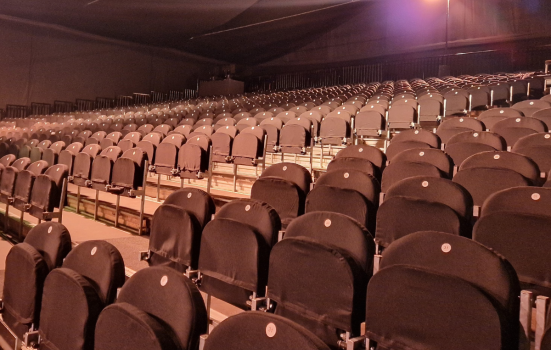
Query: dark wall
x,y
42,63
393,27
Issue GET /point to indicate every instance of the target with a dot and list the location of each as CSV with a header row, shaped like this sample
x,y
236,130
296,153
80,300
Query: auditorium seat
x,y
465,144
400,170
453,126
166,155
27,265
529,107
82,165
404,310
89,277
372,154
461,257
51,154
492,116
320,286
513,129
127,174
363,165
504,160
111,140
234,256
249,147
370,124
522,200
36,152
334,190
484,181
272,127
259,330
145,315
284,186
543,115
193,157
102,168
175,234
338,230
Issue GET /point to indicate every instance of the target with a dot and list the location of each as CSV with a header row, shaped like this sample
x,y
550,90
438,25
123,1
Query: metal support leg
x,y
142,202
21,226
542,303
78,200
96,203
158,186
62,201
235,178
7,219
117,211
208,305
526,299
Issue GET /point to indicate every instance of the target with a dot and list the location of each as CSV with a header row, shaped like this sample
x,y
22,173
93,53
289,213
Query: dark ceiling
x,y
234,31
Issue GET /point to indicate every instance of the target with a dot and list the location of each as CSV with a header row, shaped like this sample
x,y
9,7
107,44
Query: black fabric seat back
x,y
458,152
401,116
294,138
356,180
522,200
175,238
482,182
484,137
523,240
301,270
400,216
7,159
334,130
27,265
247,331
175,139
67,156
89,278
248,146
398,171
24,183
206,130
345,201
166,325
82,166
539,139
339,230
292,172
102,167
128,170
396,148
163,129
431,156
370,123
372,154
135,137
284,196
235,254
461,257
363,165
504,160
47,190
404,310
260,215
9,177
195,201
433,189
417,135
166,158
